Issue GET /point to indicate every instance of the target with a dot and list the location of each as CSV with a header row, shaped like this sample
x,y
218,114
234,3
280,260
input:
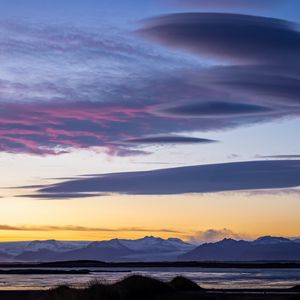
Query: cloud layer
x,y
253,175
64,88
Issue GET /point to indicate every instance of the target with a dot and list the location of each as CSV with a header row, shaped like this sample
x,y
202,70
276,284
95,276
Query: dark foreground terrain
x,y
138,287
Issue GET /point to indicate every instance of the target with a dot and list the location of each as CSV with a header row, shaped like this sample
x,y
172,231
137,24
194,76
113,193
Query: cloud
x,y
214,235
227,3
169,139
258,79
83,229
269,84
213,109
60,196
62,88
281,156
235,176
284,191
236,38
8,227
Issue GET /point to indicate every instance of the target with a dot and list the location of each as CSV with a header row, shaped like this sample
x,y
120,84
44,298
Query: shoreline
x,y
163,264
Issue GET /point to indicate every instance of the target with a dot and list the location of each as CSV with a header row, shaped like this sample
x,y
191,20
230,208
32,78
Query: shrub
x,y
183,284
135,287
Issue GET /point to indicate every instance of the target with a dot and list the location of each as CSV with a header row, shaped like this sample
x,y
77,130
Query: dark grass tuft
x,y
296,288
62,292
181,283
135,287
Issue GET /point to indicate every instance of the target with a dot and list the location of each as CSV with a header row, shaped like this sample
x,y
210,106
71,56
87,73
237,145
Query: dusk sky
x,y
171,118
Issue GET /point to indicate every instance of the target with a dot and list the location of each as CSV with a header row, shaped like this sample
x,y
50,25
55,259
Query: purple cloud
x,y
62,88
241,39
168,139
252,175
227,3
214,109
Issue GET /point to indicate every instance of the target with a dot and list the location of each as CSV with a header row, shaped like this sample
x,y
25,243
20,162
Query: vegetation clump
x,y
181,283
133,287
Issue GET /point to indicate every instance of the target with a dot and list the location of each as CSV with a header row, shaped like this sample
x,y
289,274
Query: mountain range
x,y
151,248
262,249
145,249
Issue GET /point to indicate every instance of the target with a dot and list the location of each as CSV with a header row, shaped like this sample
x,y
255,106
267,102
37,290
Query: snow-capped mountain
x,y
17,248
13,248
143,249
152,248
53,245
150,244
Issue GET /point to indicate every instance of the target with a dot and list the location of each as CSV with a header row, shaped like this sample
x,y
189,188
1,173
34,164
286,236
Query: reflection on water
x,y
207,278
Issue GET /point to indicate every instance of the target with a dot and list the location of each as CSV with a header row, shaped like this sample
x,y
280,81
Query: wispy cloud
x,y
284,191
84,229
280,156
65,196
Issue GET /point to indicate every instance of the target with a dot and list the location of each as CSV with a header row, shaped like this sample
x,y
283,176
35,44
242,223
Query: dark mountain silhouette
x,y
264,249
281,251
39,255
5,257
227,249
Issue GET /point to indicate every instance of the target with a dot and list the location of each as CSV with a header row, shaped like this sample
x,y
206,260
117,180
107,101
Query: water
x,y
207,278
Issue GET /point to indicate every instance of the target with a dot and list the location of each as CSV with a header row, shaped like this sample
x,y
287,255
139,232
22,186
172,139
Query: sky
x,y
126,118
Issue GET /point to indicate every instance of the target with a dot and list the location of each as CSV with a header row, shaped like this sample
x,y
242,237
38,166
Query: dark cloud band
x,y
281,156
234,37
214,109
252,175
169,139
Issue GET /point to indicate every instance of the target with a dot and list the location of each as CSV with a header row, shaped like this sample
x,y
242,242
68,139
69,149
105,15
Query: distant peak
x,y
228,240
51,241
174,240
271,239
151,237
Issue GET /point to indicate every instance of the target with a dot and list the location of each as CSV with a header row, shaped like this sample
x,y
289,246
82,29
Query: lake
x,y
206,277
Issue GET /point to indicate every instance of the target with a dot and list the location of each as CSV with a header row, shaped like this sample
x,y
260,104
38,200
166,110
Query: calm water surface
x,y
208,278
